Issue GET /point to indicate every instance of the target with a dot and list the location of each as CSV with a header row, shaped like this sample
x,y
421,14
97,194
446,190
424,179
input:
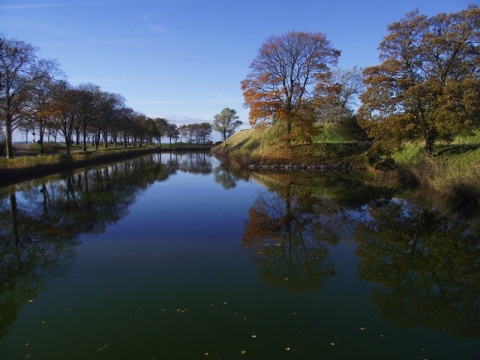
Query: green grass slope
x,y
263,146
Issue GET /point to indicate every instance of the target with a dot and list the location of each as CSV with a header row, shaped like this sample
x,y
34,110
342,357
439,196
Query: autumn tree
x,y
21,71
40,109
162,126
427,86
204,132
151,130
64,108
108,109
226,122
119,128
89,96
172,132
283,78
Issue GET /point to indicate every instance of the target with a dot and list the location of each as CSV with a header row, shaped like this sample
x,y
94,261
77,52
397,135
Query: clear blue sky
x,y
183,60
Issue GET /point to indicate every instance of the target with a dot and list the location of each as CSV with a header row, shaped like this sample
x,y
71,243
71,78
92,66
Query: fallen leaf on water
x,y
103,347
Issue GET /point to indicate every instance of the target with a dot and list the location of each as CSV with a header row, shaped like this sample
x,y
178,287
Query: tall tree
x,y
162,126
64,109
283,79
203,131
21,71
109,107
119,127
88,108
226,123
427,85
172,132
41,109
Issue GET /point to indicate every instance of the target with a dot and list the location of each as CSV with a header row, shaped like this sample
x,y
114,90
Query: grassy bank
x,y
454,169
263,147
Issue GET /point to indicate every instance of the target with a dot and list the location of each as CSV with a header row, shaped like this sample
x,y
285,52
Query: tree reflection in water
x,y
424,257
427,263
291,228
41,221
286,250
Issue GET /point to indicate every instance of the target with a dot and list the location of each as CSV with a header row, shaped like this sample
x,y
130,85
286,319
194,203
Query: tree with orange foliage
x,y
281,86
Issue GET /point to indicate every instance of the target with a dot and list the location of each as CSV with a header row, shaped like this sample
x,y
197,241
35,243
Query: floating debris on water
x,y
103,347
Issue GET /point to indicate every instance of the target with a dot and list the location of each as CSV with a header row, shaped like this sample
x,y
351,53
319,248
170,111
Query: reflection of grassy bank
x,y
29,163
454,170
29,167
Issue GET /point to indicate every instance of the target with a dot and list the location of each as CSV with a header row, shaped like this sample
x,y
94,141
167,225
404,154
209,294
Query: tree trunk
x,y
41,133
8,136
429,141
68,142
85,137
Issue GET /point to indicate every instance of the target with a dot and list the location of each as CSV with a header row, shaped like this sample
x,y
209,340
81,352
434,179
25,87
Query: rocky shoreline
x,y
316,167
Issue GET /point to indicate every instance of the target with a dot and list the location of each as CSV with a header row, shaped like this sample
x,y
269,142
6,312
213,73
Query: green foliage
x,y
329,133
226,123
345,129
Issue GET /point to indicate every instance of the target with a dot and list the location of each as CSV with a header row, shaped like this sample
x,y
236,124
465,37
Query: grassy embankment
x,y
29,163
454,169
262,146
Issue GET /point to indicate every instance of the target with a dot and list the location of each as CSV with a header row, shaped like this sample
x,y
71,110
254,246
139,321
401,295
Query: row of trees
x,y
35,98
427,85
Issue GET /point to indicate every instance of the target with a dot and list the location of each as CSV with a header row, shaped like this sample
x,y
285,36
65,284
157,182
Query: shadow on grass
x,y
337,150
456,149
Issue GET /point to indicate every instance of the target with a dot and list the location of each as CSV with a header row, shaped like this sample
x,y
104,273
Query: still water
x,y
174,257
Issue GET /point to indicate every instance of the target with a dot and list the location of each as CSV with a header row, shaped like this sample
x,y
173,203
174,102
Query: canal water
x,y
171,256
